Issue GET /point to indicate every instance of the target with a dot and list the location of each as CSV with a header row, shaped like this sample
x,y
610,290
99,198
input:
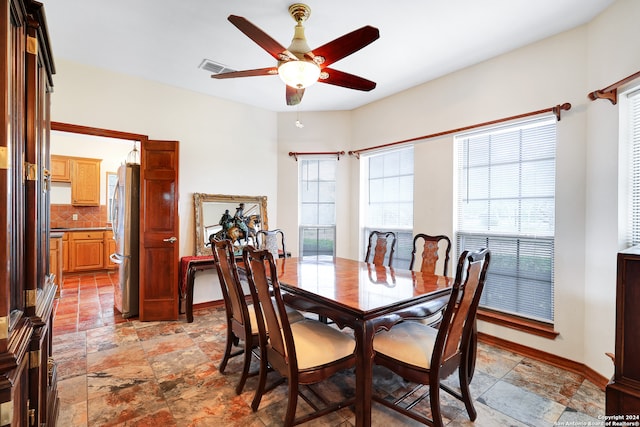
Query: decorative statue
x,y
238,227
227,220
240,220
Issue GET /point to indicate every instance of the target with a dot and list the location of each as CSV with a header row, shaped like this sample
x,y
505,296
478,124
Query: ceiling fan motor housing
x,y
300,12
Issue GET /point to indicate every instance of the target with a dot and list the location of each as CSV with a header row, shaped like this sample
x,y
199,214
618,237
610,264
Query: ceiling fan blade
x,y
294,96
247,73
346,45
263,40
340,78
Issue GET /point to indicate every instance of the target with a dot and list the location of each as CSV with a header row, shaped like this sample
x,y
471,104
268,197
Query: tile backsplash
x,y
88,216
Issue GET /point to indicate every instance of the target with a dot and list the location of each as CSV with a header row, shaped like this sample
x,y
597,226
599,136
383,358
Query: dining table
x,y
363,297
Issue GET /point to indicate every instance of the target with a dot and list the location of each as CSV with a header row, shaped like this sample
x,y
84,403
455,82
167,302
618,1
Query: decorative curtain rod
x,y
295,154
555,110
611,92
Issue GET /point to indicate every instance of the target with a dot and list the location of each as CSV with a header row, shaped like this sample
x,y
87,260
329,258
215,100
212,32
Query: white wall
x,y
225,147
322,132
613,54
560,69
563,68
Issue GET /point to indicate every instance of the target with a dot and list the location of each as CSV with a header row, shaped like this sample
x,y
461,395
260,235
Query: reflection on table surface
x,y
356,284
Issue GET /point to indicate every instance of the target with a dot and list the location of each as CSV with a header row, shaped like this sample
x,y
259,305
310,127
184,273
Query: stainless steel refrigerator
x,y
126,225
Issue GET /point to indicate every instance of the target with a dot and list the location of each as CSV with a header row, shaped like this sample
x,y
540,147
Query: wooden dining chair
x,y
426,356
273,240
303,353
430,249
381,247
241,317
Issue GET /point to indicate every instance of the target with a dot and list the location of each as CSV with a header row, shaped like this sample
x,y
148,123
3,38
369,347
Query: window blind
x,y
506,202
633,119
389,199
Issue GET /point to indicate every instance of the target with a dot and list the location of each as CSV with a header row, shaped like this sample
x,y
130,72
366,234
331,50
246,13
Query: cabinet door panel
x,y
60,169
109,248
87,255
85,182
65,253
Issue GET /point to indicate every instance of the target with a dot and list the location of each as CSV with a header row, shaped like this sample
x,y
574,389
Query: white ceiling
x,y
420,40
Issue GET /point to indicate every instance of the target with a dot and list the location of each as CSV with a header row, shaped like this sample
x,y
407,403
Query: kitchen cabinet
x,y
56,259
86,250
83,174
28,371
109,248
60,168
65,253
85,182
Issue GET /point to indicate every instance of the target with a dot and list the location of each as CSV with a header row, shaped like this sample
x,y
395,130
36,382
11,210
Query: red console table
x,y
188,267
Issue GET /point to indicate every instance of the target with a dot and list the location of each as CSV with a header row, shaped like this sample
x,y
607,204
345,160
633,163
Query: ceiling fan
x,y
299,66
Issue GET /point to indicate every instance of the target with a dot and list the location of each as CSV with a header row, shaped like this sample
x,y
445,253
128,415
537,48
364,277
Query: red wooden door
x,y
159,228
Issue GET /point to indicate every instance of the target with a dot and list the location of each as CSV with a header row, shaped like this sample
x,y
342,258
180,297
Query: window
x,y
631,118
317,183
506,202
388,199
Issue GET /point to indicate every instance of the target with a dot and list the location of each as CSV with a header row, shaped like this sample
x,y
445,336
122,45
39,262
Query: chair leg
x,y
465,374
245,367
434,400
262,380
291,404
471,354
466,395
227,349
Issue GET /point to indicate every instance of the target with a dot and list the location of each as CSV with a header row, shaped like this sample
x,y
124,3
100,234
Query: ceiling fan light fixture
x,y
299,74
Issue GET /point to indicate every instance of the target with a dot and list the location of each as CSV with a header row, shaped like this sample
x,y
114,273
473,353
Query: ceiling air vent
x,y
214,67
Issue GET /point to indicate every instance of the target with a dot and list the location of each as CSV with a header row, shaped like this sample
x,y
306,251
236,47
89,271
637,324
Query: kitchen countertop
x,y
64,230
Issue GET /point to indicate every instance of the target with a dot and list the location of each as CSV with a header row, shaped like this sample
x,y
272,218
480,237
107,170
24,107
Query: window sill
x,y
529,326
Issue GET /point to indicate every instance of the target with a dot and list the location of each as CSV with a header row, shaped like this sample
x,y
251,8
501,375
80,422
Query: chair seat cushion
x,y
293,315
429,321
318,344
408,342
433,311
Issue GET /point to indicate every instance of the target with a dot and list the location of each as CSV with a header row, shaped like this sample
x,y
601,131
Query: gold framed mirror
x,y
235,217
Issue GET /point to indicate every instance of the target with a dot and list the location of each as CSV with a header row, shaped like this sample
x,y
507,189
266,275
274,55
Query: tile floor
x,y
118,372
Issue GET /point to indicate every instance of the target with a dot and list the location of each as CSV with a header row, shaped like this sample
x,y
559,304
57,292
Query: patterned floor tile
x,y
545,380
523,405
132,373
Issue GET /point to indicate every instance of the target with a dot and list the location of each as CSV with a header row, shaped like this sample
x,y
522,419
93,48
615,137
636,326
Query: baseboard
x,y
209,304
561,362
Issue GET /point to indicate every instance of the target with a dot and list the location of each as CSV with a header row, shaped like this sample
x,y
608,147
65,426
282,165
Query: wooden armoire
x,y
623,391
28,392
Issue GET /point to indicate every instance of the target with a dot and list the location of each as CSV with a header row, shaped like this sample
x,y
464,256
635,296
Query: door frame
x,y
99,132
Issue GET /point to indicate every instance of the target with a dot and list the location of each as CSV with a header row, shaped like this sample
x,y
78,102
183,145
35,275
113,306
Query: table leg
x,y
364,372
191,276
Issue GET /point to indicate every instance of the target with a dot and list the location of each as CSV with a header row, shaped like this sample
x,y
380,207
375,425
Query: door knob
x,y
170,239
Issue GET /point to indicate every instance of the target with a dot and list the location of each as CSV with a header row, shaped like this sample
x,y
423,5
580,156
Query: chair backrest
x,y
382,245
431,248
232,293
273,241
271,313
459,316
